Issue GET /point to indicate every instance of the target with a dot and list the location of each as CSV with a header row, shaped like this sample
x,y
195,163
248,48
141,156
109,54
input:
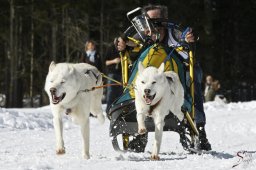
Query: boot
x,y
183,138
184,141
203,141
138,144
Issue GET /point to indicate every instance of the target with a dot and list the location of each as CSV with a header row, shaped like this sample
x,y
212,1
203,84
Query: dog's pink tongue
x,y
55,97
148,100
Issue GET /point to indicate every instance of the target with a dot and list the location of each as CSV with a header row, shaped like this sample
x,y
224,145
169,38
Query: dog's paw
x,y
101,118
86,156
60,151
142,131
180,116
154,158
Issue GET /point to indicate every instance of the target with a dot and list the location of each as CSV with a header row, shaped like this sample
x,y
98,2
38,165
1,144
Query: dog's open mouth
x,y
56,99
149,98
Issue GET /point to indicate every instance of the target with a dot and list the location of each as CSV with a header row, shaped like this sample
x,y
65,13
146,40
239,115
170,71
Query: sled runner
x,y
122,113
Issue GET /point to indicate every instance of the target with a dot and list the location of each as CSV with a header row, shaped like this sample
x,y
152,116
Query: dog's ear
x,y
92,73
140,67
171,75
172,78
71,70
161,68
52,66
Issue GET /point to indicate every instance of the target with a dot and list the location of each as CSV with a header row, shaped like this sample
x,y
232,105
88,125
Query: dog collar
x,y
152,107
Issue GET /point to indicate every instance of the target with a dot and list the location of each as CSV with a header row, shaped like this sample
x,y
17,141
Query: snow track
x,y
27,142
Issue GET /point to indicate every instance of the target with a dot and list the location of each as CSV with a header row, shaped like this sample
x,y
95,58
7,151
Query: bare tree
x,y
31,56
11,56
54,34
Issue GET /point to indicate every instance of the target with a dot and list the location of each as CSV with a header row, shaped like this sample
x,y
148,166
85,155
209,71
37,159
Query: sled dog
x,y
70,90
156,93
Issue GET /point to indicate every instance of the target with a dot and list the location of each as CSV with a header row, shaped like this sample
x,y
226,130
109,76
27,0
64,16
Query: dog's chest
x,y
152,109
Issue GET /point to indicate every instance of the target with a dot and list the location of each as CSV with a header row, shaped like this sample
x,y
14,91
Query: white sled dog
x,y
69,87
156,93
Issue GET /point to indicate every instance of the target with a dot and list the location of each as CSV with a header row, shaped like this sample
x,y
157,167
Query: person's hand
x,y
117,60
189,37
121,44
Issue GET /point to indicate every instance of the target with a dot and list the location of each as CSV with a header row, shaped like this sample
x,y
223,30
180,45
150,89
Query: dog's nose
x,y
53,90
147,91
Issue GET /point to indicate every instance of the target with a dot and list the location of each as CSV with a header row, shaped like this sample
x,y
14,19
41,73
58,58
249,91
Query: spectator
x,y
216,86
209,92
113,68
219,97
91,56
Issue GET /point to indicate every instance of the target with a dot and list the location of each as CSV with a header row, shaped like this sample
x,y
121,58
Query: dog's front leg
x,y
58,127
86,134
141,123
159,124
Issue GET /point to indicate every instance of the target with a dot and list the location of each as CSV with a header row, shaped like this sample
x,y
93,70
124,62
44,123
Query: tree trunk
x,y
31,57
7,74
10,101
54,37
18,95
67,34
102,33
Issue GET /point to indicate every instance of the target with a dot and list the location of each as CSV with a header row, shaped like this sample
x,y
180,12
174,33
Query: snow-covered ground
x,y
27,142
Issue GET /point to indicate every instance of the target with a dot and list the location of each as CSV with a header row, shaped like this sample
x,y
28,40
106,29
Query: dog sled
x,y
122,113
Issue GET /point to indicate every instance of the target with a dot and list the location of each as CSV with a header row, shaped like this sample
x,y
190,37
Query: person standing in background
x,y
91,56
113,68
209,92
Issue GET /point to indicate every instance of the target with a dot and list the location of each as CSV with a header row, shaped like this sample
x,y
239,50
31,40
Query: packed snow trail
x,y
27,142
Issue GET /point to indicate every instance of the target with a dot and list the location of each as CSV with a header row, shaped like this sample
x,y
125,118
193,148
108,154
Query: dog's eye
x,y
62,82
142,82
154,82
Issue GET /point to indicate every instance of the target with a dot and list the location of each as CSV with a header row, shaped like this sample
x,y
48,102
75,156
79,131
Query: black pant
x,y
113,92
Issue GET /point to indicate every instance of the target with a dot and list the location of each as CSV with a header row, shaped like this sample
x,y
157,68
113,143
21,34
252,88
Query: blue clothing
x,y
199,108
113,92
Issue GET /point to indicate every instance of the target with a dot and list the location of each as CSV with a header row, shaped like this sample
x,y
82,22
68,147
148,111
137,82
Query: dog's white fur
x,y
168,95
69,81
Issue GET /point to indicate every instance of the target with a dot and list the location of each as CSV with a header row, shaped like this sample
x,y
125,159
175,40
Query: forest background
x,y
35,32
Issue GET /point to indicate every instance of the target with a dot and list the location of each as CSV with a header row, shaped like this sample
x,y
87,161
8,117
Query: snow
x,y
27,142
